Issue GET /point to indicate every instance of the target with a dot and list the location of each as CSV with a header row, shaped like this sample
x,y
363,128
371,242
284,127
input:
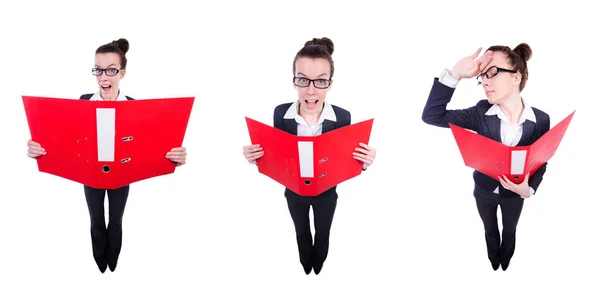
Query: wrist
x,y
526,193
455,75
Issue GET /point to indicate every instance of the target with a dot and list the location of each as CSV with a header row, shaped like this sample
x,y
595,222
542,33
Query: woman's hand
x,y
34,150
366,154
521,189
253,152
177,155
471,66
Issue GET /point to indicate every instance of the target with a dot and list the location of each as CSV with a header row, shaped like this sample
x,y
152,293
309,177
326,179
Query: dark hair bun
x,y
325,42
122,44
524,51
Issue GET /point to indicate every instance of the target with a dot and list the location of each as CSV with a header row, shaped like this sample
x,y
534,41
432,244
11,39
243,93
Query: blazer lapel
x,y
493,123
291,126
328,126
528,127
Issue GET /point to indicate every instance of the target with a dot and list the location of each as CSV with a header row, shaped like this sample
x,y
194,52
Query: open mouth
x,y
106,88
311,104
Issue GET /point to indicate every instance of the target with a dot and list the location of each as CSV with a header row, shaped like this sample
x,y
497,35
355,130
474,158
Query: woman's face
x,y
109,85
502,85
312,98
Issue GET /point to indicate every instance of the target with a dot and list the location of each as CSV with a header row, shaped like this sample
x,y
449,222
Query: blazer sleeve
x,y
347,118
278,117
436,113
86,96
536,178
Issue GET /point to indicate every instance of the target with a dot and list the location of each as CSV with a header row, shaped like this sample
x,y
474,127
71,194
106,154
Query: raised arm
x,y
435,112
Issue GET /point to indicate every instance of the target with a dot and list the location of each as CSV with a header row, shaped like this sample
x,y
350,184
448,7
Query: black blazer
x,y
89,96
474,118
291,126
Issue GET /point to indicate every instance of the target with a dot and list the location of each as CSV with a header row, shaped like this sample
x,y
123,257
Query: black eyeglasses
x,y
111,72
318,83
492,72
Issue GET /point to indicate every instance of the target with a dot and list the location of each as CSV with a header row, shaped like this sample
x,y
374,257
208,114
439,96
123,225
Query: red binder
x,y
107,144
495,159
309,165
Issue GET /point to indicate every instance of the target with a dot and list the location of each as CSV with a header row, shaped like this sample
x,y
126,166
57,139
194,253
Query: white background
x,y
217,230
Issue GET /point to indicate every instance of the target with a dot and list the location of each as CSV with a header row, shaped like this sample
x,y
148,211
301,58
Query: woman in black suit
x,y
109,69
312,115
504,117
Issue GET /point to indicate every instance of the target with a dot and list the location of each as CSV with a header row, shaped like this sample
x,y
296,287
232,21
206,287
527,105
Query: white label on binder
x,y
306,158
518,161
105,125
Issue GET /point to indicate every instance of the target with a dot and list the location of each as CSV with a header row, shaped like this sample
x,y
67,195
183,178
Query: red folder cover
x,y
495,159
309,165
107,144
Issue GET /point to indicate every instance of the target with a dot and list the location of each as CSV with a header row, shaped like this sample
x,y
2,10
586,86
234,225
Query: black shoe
x,y
112,266
495,266
102,267
317,267
307,268
505,265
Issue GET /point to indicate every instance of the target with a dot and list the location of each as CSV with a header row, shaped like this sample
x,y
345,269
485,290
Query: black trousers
x,y
323,209
499,249
106,242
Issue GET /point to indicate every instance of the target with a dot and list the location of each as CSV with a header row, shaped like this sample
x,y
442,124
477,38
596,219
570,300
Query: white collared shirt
x,y
510,134
304,129
315,129
310,130
97,97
